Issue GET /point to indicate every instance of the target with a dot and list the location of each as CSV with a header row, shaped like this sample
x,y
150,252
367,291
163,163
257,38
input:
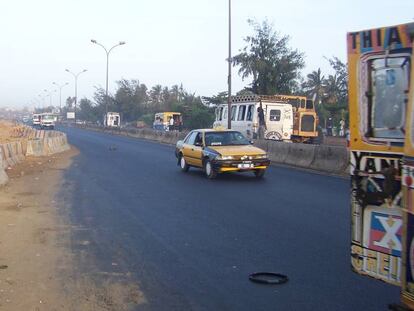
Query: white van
x,y
244,117
112,119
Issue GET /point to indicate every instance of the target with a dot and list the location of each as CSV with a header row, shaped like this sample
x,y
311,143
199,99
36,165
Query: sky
x,y
167,42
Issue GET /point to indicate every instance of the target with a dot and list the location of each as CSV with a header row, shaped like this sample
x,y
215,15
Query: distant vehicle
x,y
26,119
140,124
287,118
162,121
112,119
220,151
36,119
47,121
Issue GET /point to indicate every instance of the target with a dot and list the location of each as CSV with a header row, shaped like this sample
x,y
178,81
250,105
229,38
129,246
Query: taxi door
x,y
193,149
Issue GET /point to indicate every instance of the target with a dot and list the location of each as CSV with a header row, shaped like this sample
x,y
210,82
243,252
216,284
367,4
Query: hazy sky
x,y
167,42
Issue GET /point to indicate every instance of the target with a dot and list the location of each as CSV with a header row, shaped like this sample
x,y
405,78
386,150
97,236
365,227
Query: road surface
x,y
191,243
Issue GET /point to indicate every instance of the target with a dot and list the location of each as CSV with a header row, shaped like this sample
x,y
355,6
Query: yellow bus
x,y
379,65
167,121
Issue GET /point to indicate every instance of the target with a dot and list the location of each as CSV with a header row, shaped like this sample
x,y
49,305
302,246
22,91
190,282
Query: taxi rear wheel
x,y
208,168
259,173
183,164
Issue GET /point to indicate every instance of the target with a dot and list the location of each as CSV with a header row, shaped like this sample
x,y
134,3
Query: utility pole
x,y
229,75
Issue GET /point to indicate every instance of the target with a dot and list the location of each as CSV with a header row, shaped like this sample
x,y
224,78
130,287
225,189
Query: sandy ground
x,y
37,266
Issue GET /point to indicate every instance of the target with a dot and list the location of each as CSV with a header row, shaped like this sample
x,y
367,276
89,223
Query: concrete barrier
x,y
36,143
3,176
301,155
333,159
329,159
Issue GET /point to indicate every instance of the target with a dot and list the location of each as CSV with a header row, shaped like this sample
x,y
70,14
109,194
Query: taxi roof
x,y
215,130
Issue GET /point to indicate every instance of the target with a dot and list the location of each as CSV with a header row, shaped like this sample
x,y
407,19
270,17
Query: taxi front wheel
x,y
183,164
259,173
208,168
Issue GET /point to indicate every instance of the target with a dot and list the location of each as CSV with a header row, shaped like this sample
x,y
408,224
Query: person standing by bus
x,y
262,121
171,124
342,128
329,126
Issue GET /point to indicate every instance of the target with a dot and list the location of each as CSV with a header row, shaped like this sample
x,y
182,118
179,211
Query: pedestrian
x,y
171,122
262,122
329,126
342,128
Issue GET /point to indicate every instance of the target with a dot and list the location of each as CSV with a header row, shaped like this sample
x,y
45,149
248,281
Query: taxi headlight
x,y
221,157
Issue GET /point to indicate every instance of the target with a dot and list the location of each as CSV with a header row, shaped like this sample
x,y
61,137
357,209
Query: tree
x,y
314,85
88,111
274,67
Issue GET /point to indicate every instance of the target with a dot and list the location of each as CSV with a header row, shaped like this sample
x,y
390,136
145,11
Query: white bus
x,y
244,117
36,119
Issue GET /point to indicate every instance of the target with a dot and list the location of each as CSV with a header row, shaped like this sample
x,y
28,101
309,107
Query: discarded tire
x,y
268,278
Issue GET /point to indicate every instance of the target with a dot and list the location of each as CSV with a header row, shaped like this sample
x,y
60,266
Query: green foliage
x,y
267,58
148,119
135,102
331,93
199,117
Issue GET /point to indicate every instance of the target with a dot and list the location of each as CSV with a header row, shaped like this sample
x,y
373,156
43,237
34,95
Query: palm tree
x,y
314,86
332,89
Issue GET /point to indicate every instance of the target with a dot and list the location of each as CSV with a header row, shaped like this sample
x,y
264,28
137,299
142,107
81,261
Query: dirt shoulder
x,y
37,266
31,248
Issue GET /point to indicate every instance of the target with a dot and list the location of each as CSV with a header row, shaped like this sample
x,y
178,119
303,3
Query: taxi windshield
x,y
225,139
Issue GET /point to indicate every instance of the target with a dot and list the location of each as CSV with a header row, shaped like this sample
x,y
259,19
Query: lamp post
x,y
107,69
49,93
229,74
60,86
76,75
42,97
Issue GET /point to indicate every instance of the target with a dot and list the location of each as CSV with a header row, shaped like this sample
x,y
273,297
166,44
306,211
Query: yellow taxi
x,y
219,151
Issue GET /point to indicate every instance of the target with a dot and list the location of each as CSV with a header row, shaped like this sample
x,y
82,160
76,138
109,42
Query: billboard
x,y
70,115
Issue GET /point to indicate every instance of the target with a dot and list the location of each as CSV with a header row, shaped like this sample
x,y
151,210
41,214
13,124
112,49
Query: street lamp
x,y
49,93
42,97
60,86
76,75
107,69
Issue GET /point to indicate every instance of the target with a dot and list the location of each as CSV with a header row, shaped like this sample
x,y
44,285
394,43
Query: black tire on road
x,y
183,164
208,169
259,173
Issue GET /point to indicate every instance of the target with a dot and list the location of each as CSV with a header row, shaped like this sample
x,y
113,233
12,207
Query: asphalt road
x,y
191,243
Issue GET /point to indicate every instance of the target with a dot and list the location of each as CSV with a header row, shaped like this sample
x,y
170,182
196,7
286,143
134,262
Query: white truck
x,y
244,118
287,117
47,121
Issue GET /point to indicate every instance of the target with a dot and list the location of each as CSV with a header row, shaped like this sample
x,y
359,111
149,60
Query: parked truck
x,y
287,117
